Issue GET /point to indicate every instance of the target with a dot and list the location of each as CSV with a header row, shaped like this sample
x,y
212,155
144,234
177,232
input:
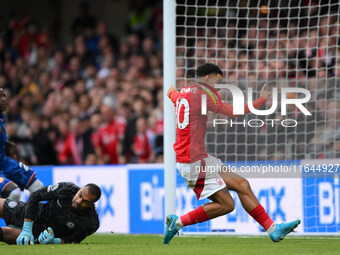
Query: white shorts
x,y
203,176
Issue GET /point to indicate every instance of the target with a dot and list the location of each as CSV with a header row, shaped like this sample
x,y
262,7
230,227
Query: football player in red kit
x,y
191,155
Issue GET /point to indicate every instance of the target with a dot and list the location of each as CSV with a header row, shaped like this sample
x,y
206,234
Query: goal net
x,y
286,44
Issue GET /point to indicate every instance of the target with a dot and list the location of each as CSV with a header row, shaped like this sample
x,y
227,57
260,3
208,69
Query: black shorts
x,y
14,212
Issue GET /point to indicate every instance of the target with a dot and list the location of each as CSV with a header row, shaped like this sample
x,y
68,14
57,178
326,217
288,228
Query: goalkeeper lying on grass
x,y
68,216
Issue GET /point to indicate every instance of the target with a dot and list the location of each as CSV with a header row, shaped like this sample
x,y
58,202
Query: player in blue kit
x,y
13,170
8,189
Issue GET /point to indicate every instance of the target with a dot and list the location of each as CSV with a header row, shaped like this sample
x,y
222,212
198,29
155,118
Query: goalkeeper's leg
x,y
8,234
250,203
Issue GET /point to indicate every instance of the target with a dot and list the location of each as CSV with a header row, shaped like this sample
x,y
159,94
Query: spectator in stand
x,y
108,144
336,69
72,150
74,70
24,143
75,80
325,143
138,17
86,57
141,146
43,140
14,80
97,41
57,60
89,76
128,155
108,62
29,86
85,21
86,137
95,122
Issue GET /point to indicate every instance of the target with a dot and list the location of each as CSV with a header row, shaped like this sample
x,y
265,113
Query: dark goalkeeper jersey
x,y
57,213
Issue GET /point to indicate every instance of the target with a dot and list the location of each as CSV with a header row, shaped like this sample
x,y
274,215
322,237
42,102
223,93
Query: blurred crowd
x,y
98,99
301,51
94,100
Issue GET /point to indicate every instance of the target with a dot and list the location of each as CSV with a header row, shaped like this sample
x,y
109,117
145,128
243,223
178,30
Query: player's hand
x,y
26,237
264,93
172,88
46,237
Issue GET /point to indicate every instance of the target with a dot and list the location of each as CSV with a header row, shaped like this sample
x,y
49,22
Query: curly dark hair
x,y
94,190
11,150
208,68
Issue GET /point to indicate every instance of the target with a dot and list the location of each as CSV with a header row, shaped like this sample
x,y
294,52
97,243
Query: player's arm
x,y
47,236
44,194
173,94
31,211
32,208
227,109
3,119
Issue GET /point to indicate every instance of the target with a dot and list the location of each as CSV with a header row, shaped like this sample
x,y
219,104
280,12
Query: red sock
x,y
260,215
197,215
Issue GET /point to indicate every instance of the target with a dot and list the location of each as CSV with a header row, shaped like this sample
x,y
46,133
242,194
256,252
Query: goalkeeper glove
x,y
47,237
26,236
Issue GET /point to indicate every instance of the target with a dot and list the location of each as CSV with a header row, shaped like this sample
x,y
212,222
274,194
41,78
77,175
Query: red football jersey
x,y
108,139
141,147
120,123
191,125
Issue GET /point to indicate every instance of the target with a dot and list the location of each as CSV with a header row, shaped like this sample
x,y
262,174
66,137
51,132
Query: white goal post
x,y
169,56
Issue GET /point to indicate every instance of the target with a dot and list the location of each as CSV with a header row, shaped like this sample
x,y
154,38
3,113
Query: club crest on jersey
x,y
70,224
219,181
12,204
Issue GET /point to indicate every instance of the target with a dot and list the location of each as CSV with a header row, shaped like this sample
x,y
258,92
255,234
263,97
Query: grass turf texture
x,y
152,244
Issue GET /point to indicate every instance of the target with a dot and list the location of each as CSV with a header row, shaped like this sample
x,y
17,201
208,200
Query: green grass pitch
x,y
152,244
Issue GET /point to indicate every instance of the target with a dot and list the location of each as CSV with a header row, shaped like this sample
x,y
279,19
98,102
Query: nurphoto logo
x,y
238,106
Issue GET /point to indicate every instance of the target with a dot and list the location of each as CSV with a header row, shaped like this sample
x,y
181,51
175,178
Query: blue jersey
x,y
17,172
3,135
3,183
